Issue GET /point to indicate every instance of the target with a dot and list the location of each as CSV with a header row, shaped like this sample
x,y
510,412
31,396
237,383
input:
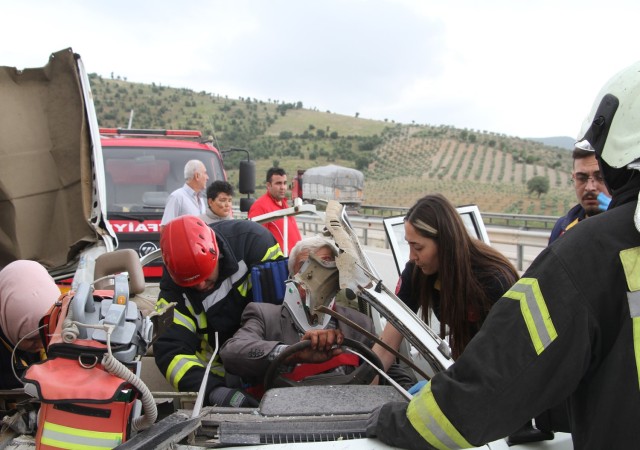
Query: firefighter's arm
x,y
176,354
395,429
530,352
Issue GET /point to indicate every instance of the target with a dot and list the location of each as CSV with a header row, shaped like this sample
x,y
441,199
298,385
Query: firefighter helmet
x,y
613,123
583,144
189,250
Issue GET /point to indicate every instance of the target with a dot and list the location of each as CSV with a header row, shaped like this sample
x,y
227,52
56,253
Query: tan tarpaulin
x,y
45,167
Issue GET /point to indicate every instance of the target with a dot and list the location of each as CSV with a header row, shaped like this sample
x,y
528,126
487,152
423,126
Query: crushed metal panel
x,y
45,162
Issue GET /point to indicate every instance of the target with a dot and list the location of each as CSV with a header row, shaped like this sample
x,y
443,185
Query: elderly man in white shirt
x,y
187,199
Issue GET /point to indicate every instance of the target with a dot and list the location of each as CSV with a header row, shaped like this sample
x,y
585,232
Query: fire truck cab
x,y
142,167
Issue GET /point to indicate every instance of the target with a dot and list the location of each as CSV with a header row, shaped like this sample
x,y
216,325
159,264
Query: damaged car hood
x,y
50,206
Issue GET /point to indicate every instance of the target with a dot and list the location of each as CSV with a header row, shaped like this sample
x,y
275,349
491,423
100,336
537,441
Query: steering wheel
x,y
363,374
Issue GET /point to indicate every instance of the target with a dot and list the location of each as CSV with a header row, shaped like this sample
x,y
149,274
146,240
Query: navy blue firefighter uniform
x,y
183,351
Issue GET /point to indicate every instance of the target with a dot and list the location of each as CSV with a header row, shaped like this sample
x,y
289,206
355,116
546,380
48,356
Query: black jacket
x,y
566,329
183,351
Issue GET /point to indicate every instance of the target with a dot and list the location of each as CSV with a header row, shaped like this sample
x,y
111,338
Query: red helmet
x,y
189,250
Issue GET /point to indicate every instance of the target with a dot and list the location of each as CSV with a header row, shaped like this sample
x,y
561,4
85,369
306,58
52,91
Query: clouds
x,y
520,68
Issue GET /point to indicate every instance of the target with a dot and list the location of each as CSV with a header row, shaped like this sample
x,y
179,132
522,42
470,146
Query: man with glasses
x,y
592,193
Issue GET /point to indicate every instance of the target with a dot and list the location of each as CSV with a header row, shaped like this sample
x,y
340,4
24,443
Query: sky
x,y
521,68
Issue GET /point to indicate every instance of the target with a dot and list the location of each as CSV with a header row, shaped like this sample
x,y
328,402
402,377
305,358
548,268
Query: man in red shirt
x,y
273,200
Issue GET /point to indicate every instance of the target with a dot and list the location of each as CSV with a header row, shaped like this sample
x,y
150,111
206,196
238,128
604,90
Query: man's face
x,y
589,183
277,187
209,282
201,177
323,254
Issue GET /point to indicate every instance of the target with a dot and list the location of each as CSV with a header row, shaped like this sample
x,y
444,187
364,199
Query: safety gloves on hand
x,y
416,387
224,396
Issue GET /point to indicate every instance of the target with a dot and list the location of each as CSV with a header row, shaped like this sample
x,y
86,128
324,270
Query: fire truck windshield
x,y
139,179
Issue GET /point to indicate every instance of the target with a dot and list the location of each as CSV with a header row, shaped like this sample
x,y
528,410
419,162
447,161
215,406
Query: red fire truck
x,y
142,167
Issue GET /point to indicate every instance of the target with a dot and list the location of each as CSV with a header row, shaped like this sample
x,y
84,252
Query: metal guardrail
x,y
526,221
523,221
521,246
520,237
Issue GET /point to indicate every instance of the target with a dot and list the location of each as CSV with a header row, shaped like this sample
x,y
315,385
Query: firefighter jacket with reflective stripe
x,y
570,328
183,351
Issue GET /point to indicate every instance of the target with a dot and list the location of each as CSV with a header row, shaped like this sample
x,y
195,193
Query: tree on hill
x,y
538,184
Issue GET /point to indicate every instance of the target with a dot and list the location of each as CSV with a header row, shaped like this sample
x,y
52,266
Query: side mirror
x,y
245,203
247,179
247,182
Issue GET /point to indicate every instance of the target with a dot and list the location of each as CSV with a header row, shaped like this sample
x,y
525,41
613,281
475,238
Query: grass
x,y
298,120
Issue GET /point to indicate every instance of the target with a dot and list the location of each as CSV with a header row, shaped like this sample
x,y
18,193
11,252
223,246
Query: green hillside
x,y
401,162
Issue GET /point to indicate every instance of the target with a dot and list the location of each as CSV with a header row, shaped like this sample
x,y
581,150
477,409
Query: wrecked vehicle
x,y
106,282
52,190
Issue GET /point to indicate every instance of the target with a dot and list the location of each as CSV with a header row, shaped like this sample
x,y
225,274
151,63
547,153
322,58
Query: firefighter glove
x,y
224,396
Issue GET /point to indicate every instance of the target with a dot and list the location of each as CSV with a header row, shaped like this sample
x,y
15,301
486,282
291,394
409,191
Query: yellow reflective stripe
x,y
201,318
273,252
61,436
631,263
160,304
534,311
183,320
636,344
630,259
217,368
180,364
634,309
244,287
226,286
428,419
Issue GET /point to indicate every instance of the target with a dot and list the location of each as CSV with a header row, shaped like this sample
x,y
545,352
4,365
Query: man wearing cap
x,y
208,277
593,195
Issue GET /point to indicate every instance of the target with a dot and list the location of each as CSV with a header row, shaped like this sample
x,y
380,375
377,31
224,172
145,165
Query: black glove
x,y
224,396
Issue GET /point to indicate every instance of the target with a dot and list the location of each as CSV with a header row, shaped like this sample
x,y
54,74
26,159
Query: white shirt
x,y
183,201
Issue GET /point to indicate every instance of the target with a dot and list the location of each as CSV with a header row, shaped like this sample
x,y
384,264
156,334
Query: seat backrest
x,y
121,260
267,281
